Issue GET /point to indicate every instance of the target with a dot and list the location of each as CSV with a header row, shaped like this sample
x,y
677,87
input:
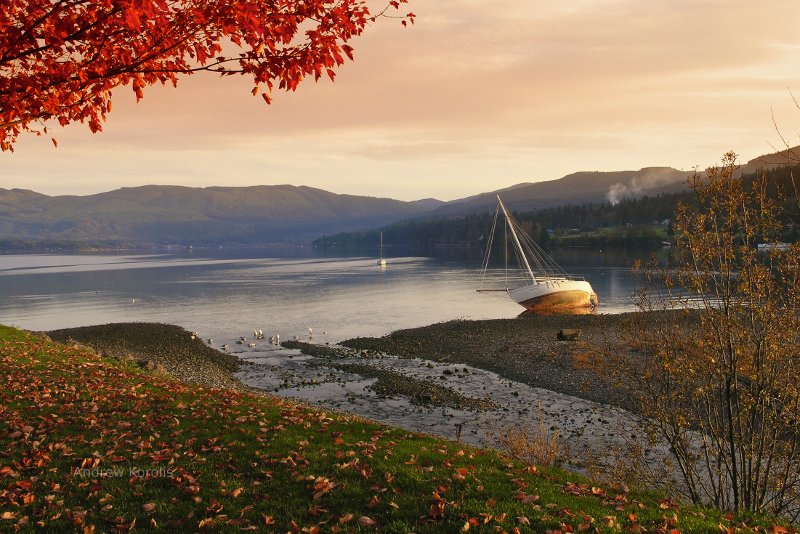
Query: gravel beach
x,y
525,349
158,348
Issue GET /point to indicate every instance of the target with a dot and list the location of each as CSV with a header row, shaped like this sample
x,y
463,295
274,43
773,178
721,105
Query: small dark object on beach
x,y
459,426
568,334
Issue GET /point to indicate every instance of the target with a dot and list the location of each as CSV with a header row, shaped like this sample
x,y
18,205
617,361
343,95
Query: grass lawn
x,y
92,445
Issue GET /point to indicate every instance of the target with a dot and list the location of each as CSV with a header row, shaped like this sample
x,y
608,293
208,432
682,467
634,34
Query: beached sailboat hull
x,y
555,296
549,290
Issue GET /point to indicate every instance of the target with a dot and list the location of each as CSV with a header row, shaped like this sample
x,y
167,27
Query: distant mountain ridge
x,y
589,187
285,214
155,214
575,188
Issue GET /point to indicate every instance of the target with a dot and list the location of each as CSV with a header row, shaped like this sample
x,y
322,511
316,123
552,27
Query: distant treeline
x,y
627,223
632,222
29,246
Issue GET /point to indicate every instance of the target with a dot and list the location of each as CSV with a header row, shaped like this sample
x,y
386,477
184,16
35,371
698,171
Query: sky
x,y
476,96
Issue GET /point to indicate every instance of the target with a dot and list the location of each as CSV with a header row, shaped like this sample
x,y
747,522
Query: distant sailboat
x,y
548,289
381,259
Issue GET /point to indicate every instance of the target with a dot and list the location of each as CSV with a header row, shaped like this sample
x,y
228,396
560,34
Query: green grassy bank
x,y
90,444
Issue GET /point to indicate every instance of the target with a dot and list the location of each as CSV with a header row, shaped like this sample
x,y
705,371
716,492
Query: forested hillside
x,y
630,222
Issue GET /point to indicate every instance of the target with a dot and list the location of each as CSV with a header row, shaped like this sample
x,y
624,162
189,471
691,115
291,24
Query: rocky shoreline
x,y
525,350
159,348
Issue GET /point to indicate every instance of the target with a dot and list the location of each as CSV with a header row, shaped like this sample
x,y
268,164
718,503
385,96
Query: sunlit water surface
x,y
224,294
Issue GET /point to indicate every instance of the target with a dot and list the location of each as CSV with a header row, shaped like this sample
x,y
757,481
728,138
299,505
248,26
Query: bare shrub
x,y
535,444
720,384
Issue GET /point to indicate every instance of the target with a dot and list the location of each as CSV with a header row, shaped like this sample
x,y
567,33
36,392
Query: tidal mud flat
x,y
525,350
465,379
501,373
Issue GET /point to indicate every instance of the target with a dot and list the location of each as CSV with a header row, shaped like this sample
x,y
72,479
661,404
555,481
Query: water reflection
x,y
228,291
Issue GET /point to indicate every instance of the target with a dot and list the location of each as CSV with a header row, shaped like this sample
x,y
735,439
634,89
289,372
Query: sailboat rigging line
x,y
505,247
489,245
516,240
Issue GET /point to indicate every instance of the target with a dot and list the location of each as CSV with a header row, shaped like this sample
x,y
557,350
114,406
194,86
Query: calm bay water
x,y
227,293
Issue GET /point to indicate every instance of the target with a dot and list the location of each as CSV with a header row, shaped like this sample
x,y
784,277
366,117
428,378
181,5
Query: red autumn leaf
x,y
60,61
436,510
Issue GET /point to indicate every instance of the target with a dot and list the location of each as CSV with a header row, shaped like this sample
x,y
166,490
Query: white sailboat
x,y
381,259
545,289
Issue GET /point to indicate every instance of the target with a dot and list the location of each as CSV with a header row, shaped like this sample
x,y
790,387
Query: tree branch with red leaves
x,y
60,59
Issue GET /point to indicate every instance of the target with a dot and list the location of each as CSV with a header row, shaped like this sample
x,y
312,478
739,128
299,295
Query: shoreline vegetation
x,y
201,453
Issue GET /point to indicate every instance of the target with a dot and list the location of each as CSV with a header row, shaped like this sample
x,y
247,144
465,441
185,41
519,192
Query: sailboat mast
x,y
509,220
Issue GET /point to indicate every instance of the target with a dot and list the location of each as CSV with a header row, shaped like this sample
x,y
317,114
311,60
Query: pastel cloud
x,y
478,95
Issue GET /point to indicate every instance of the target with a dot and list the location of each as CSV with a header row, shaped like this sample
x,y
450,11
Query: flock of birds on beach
x,y
257,334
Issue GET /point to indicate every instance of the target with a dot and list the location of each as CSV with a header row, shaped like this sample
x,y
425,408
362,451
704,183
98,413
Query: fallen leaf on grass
x,y
365,521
